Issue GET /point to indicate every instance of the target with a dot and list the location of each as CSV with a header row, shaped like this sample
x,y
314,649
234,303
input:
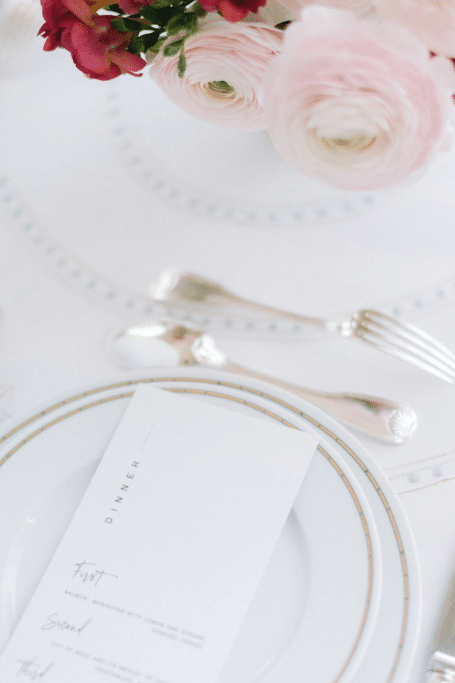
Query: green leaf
x,y
133,25
157,46
150,40
159,4
199,11
181,22
194,28
114,8
150,14
171,49
161,14
119,25
283,25
192,23
136,45
181,65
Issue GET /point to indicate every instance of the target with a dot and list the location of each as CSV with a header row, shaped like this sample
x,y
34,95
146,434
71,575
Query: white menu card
x,y
157,569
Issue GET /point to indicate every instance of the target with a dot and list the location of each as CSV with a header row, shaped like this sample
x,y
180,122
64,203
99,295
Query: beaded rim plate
x,y
133,304
224,166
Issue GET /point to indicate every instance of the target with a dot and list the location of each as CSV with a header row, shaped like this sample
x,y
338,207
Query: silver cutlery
x,y
378,417
442,664
391,336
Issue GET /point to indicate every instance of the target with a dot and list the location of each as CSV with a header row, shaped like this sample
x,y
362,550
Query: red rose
x,y
133,6
232,10
57,11
97,49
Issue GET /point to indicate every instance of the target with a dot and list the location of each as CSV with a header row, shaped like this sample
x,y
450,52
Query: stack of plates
x,y
340,599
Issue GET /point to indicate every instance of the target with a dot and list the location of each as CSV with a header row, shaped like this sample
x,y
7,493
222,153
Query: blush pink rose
x,y
225,65
433,21
360,7
273,14
355,103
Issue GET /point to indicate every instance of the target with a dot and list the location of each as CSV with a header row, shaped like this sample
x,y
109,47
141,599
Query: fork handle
x,y
378,417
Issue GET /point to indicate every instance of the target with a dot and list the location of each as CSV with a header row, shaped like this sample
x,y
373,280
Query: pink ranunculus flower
x,y
360,7
274,13
357,104
433,21
225,65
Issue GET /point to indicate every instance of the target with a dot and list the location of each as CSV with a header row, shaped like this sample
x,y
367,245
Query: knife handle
x,y
442,663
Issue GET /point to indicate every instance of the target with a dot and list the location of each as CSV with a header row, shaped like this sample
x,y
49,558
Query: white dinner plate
x,y
340,598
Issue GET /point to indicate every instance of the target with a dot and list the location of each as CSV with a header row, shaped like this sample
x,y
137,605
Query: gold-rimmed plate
x,y
340,599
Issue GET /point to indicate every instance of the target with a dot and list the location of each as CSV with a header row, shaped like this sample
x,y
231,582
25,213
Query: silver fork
x,y
398,339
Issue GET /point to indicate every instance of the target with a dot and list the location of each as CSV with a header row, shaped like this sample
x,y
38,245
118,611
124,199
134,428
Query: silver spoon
x,y
377,417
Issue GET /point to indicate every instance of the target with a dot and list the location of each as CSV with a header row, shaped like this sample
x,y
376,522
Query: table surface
x,y
98,234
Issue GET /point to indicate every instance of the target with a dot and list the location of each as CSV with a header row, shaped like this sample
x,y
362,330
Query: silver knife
x,y
442,662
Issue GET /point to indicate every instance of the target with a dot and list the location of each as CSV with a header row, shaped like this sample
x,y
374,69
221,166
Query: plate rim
x,y
315,417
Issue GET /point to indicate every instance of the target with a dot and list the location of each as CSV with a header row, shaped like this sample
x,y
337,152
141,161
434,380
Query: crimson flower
x,y
57,11
232,10
97,49
133,6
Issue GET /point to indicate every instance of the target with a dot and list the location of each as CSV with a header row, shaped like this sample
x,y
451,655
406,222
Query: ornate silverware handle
x,y
231,300
442,664
375,416
195,291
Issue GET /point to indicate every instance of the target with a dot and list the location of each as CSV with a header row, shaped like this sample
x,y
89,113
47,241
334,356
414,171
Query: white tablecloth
x,y
80,198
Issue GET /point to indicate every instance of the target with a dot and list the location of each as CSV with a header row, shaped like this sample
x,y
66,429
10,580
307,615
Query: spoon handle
x,y
378,417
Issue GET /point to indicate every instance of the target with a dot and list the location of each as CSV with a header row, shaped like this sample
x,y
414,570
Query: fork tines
x,y
407,342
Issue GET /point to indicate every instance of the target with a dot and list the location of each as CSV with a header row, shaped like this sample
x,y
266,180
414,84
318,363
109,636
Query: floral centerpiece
x,y
358,94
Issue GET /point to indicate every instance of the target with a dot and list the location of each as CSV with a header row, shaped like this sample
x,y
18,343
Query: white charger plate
x,y
340,599
213,171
